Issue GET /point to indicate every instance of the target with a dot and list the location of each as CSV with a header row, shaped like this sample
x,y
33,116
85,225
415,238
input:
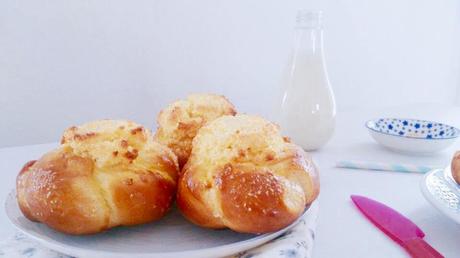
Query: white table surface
x,y
342,231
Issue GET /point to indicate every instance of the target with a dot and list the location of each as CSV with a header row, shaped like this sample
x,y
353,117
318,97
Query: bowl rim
x,y
457,131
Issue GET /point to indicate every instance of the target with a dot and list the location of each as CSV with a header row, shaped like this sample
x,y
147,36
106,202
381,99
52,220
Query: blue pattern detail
x,y
29,252
289,253
413,128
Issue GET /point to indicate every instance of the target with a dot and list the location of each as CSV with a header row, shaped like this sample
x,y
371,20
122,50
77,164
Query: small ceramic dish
x,y
412,136
441,191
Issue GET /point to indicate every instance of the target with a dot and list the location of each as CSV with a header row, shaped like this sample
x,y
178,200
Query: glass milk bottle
x,y
308,106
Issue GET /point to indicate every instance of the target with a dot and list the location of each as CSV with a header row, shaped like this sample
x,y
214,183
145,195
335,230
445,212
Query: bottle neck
x,y
308,40
309,32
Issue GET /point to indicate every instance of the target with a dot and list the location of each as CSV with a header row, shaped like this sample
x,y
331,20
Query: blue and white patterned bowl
x,y
412,136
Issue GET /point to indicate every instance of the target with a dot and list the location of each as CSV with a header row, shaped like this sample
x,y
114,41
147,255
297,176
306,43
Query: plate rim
x,y
432,200
236,247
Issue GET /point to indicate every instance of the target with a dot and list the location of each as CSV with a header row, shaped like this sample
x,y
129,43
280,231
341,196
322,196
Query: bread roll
x,y
180,121
455,167
104,174
242,174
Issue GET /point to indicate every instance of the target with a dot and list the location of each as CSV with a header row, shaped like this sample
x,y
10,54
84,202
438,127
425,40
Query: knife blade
x,y
399,228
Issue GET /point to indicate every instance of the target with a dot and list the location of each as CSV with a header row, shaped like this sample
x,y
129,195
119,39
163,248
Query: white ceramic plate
x,y
440,189
172,236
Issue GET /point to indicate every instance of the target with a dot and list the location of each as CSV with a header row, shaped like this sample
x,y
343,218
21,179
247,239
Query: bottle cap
x,y
309,18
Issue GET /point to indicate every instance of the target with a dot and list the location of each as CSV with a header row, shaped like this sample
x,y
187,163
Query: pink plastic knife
x,y
397,227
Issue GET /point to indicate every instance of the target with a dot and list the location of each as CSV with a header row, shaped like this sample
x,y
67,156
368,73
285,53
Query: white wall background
x,y
66,62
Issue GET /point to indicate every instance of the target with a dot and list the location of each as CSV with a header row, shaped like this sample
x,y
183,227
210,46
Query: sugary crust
x,y
180,121
105,174
244,175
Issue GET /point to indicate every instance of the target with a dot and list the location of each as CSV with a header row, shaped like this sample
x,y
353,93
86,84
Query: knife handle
x,y
418,248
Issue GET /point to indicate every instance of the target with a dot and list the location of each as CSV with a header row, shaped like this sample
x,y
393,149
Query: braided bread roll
x,y
242,174
104,174
180,121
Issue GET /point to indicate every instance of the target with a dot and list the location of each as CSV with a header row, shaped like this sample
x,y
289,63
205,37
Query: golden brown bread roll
x,y
180,121
455,167
242,174
104,174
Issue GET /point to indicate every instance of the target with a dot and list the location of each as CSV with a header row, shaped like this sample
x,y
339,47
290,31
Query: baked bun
x,y
180,121
104,174
455,167
242,174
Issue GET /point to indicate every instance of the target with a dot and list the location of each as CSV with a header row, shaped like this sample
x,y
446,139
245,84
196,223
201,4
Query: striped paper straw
x,y
405,168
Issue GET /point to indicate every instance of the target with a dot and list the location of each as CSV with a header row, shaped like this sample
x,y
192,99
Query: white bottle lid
x,y
309,18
